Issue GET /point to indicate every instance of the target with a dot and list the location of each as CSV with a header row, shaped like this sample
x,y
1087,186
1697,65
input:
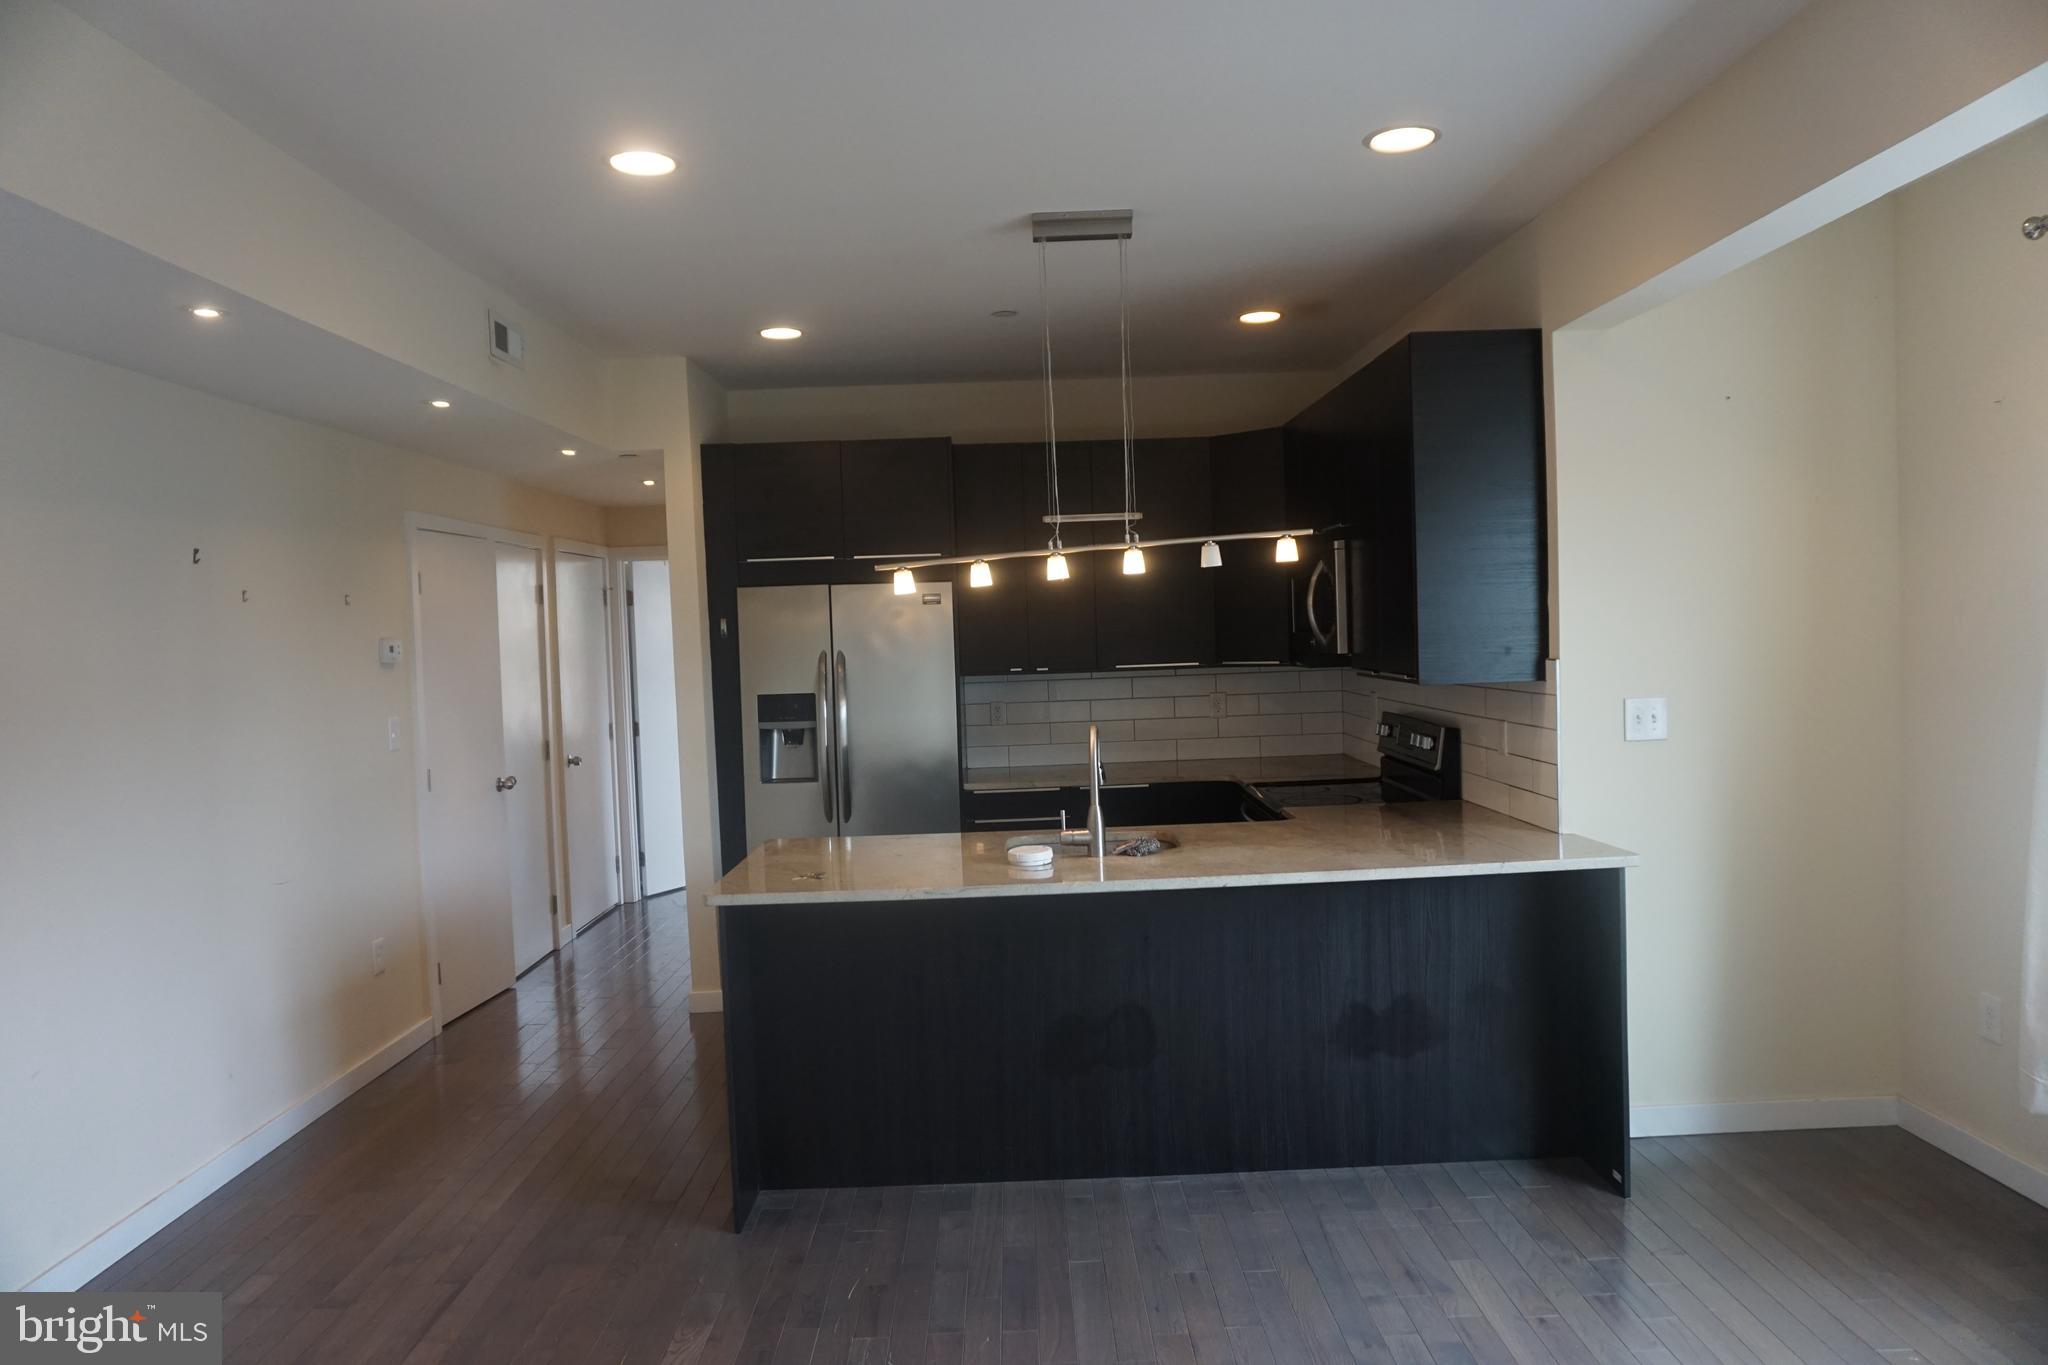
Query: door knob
x,y
575,760
506,784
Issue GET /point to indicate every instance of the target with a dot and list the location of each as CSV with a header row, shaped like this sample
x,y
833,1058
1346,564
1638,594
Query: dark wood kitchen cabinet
x,y
1023,623
1248,488
1439,448
1166,615
992,487
897,498
785,499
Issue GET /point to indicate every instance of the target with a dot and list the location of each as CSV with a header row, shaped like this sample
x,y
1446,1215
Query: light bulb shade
x,y
1055,567
1212,555
906,582
980,576
1134,559
1285,551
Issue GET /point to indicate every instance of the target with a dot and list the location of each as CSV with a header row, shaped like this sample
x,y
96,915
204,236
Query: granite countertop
x,y
1295,768
1327,844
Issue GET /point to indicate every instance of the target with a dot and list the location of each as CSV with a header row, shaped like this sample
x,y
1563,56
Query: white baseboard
x,y
707,1002
1762,1116
1971,1150
75,1270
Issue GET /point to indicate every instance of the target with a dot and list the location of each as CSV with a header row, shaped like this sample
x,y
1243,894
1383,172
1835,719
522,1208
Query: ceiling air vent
x,y
508,343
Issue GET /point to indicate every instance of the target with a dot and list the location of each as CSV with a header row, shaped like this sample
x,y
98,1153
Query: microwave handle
x,y
1316,633
1340,581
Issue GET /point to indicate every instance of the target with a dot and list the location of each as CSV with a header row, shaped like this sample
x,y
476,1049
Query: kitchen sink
x,y
1075,844
1141,806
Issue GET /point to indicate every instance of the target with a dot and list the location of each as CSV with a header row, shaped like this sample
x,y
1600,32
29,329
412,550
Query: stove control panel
x,y
1416,742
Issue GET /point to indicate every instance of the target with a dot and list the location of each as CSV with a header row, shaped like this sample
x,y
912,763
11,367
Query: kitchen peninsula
x,y
1354,986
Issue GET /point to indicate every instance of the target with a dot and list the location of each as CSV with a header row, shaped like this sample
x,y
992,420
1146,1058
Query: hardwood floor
x,y
548,1183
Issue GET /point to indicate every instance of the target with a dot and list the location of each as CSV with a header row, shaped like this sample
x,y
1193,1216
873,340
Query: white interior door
x,y
464,848
589,799
521,659
657,762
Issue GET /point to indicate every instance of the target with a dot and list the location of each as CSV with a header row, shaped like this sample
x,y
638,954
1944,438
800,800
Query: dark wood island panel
x,y
1235,1028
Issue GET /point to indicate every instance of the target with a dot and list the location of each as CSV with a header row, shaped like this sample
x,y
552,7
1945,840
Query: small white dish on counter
x,y
1031,855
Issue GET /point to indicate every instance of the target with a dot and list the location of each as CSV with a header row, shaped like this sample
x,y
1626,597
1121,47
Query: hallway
x,y
549,1183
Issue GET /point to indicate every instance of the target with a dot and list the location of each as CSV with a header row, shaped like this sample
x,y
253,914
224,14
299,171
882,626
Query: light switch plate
x,y
389,652
376,957
1646,718
1990,1017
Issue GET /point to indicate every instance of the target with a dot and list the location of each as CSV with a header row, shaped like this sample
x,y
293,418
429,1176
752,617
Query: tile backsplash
x,y
1157,716
1507,736
1508,730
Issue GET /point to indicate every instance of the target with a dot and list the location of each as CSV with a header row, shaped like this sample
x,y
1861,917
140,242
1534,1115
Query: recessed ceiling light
x,y
1259,317
1407,138
649,483
567,451
206,312
439,403
642,161
781,333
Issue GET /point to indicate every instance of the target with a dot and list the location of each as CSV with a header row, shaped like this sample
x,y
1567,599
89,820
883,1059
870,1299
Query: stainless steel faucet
x,y
1098,836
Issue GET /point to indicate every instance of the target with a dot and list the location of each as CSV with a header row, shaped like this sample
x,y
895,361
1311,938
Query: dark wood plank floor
x,y
548,1183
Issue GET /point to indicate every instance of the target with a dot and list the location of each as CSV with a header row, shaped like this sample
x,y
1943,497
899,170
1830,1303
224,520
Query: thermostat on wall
x,y
389,652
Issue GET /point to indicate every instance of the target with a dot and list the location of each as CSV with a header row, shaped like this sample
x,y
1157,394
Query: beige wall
x,y
201,830
636,527
1728,538
1973,436
1013,409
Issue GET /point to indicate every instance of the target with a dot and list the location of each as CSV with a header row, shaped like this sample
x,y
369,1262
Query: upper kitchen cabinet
x,y
1248,489
993,491
897,498
1441,451
786,499
1165,616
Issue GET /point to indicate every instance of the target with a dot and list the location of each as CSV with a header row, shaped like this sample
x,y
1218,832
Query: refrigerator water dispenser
x,y
788,724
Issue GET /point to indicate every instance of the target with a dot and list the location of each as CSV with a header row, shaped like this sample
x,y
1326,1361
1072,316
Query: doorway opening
x,y
655,795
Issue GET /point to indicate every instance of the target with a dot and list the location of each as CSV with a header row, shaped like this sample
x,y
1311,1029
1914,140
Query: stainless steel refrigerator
x,y
851,711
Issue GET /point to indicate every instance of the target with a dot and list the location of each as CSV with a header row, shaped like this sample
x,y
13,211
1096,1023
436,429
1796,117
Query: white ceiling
x,y
863,170
78,290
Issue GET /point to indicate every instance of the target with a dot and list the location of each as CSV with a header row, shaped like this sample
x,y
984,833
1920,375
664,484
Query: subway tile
x,y
1544,779
1471,760
1004,691
1359,726
1204,705
1531,742
974,714
1525,708
1174,685
1281,703
1076,731
1246,746
1177,728
1511,769
1241,704
988,757
1359,704
1275,746
1142,751
984,735
1258,725
1090,689
1019,712
1537,810
1278,680
1323,723
1045,755
1360,683
1481,791
1359,749
1138,709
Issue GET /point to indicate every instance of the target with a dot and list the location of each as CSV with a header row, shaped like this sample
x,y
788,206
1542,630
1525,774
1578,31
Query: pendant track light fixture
x,y
1108,225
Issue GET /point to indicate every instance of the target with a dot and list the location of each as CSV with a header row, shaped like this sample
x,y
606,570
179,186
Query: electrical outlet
x,y
1990,1017
377,962
995,713
1219,703
1646,718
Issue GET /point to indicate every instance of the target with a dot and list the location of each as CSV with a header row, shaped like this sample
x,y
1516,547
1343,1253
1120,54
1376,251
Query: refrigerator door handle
x,y
845,742
830,779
